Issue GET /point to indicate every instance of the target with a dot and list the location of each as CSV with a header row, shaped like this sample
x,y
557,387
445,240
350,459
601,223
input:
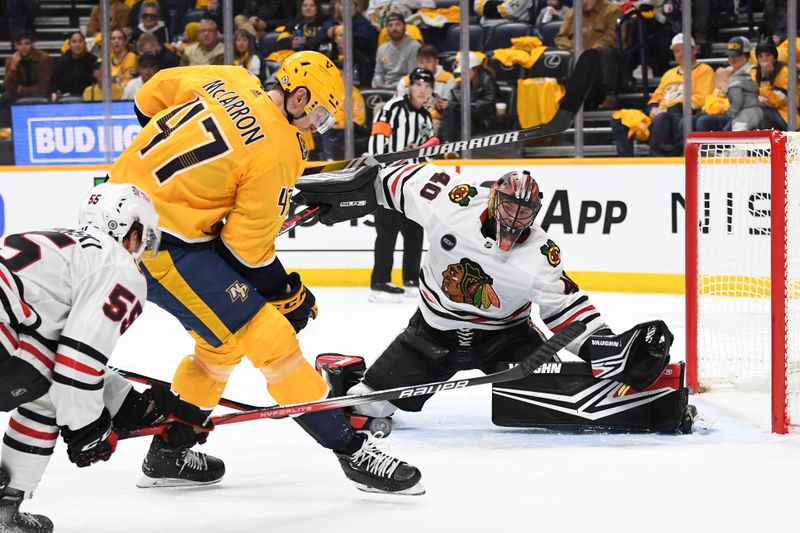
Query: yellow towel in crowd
x,y
524,51
537,100
637,122
440,16
716,103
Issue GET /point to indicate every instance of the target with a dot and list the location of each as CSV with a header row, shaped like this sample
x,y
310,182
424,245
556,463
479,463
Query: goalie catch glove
x,y
343,195
297,304
188,423
636,357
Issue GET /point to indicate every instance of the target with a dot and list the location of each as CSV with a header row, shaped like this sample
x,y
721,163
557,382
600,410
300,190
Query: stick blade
x,y
550,348
580,82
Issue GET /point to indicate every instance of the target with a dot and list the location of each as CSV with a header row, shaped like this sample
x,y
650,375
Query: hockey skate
x,y
371,470
166,466
385,293
12,521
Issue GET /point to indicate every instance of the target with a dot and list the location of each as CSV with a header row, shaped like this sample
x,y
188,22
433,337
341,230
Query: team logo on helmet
x,y
461,194
552,252
466,282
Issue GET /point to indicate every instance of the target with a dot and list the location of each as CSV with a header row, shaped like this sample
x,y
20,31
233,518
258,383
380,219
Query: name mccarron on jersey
x,y
238,112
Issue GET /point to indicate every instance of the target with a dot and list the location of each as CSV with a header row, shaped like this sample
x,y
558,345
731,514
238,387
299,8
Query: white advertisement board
x,y
609,218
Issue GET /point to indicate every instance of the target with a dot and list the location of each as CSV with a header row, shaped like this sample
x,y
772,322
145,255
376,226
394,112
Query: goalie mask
x,y
117,208
513,204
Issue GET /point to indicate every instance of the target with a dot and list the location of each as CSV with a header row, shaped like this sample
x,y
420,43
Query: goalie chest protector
x,y
565,396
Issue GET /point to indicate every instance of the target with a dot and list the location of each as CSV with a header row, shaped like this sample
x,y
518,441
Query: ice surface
x,y
736,477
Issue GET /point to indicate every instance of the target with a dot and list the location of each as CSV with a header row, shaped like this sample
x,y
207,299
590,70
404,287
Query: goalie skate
x,y
372,470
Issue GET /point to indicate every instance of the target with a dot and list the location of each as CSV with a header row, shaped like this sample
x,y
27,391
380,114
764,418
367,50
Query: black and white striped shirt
x,y
399,125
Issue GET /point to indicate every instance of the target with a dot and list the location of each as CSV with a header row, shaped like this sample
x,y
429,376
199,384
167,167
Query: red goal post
x,y
742,280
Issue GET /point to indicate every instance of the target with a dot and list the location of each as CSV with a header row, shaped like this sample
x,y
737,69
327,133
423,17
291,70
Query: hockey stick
x,y
146,380
580,83
578,87
310,212
525,368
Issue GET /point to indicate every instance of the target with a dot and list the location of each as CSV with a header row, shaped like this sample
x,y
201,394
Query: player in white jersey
x,y
487,265
66,296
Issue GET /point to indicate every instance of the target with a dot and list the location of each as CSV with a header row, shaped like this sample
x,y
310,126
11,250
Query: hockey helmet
x,y
116,208
513,204
421,74
321,78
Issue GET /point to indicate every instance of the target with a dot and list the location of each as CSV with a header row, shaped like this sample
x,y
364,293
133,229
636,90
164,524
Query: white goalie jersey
x,y
465,281
86,290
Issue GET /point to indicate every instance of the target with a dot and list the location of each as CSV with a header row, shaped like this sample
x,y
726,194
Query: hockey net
x,y
743,266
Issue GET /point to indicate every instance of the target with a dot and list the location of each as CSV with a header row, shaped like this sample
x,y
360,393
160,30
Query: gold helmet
x,y
321,78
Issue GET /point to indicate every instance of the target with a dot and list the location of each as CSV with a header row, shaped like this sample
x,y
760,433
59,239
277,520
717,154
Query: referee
x,y
403,123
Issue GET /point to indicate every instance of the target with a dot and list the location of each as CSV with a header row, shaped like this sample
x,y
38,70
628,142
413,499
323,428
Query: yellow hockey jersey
x,y
217,158
670,90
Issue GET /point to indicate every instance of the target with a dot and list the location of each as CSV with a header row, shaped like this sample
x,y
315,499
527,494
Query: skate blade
x,y
416,490
384,298
146,482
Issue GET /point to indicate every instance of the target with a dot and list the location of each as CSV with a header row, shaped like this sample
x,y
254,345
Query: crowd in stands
x,y
393,37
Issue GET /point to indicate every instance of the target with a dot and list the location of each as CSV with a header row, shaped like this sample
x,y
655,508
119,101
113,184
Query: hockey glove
x,y
159,404
91,443
343,195
636,357
297,304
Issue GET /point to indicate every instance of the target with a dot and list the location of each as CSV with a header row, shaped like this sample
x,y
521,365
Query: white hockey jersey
x,y
465,280
87,290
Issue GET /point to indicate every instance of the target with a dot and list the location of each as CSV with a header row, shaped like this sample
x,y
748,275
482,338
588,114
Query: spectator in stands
x,y
402,124
150,21
148,44
244,52
361,63
665,108
554,10
444,82
772,78
123,62
745,112
117,17
307,26
484,95
493,12
365,37
397,57
207,50
148,66
599,27
266,15
27,71
21,14
72,72
377,10
94,92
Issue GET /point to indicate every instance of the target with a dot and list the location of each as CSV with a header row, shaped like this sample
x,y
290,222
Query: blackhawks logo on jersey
x,y
552,252
466,282
461,194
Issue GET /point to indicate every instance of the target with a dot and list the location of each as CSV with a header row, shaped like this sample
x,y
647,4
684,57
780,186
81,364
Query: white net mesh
x,y
733,260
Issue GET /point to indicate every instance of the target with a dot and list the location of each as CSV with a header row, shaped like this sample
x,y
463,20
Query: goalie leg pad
x,y
636,357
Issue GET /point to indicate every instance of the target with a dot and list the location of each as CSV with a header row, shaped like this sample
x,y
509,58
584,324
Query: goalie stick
x,y
578,87
525,368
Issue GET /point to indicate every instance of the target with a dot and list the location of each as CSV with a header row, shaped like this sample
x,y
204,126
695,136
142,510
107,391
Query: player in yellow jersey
x,y
219,155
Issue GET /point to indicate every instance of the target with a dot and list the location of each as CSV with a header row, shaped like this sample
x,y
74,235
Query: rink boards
x,y
619,222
